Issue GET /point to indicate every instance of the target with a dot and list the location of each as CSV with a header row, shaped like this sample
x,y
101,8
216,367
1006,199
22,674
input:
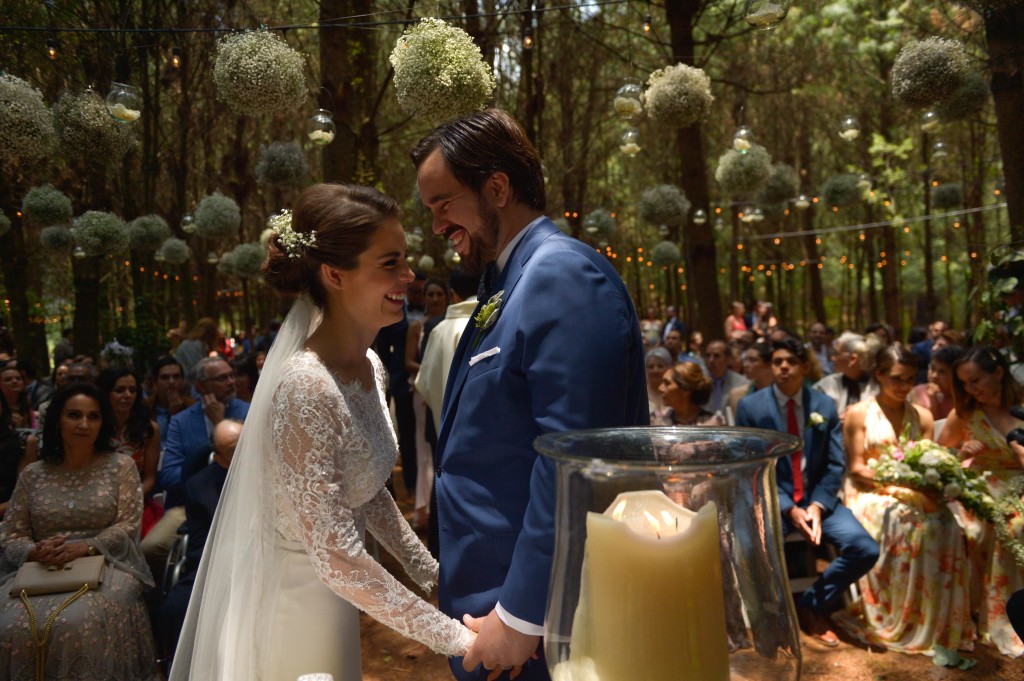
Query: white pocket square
x,y
483,355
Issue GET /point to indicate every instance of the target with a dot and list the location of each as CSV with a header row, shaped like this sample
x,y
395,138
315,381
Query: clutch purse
x,y
35,578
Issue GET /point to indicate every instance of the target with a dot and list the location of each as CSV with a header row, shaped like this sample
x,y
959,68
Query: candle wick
x,y
658,534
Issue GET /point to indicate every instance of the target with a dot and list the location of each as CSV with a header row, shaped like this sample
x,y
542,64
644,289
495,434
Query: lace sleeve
x,y
116,540
386,523
311,423
16,537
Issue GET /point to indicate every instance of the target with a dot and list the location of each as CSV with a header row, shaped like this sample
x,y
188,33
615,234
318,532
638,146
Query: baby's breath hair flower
x,y
678,96
599,222
26,125
969,99
217,217
5,223
741,173
99,233
841,190
174,251
148,232
46,205
439,72
257,72
245,261
666,254
664,204
85,127
281,163
294,243
928,71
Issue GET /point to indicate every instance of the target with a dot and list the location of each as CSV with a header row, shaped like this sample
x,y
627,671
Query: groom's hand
x,y
498,647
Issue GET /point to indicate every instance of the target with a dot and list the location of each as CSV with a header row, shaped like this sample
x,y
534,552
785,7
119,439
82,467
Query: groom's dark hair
x,y
476,146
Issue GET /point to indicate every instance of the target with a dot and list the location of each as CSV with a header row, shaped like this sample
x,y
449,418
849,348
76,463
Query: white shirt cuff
x,y
522,626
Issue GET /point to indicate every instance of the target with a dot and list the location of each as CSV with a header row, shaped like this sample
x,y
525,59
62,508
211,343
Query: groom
x,y
560,349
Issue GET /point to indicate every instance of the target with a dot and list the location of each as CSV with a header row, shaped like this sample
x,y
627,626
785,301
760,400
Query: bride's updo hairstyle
x,y
343,218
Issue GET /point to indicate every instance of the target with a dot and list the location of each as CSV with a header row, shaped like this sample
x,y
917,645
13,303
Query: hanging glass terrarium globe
x,y
123,103
758,215
159,256
79,252
212,258
663,230
627,99
630,142
747,215
320,128
803,202
939,150
742,139
849,128
700,217
188,223
930,122
765,14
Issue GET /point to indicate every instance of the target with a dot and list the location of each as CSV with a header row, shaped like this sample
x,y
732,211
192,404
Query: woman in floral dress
x,y
79,499
984,391
916,596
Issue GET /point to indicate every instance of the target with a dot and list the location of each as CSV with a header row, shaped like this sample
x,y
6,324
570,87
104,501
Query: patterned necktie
x,y
797,457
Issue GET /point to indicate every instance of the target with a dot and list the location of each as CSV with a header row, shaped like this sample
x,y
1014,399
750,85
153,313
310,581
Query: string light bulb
x,y
176,57
51,48
647,23
528,38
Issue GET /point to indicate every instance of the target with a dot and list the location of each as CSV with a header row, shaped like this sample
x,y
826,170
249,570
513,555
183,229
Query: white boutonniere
x,y
487,315
815,419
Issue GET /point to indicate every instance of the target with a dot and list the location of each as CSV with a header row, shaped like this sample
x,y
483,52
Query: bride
x,y
285,570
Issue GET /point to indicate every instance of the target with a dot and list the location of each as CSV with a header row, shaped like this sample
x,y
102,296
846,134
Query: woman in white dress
x,y
285,570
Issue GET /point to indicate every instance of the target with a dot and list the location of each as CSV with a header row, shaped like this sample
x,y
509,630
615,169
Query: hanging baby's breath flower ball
x,y
217,217
46,205
678,96
174,251
666,254
439,72
5,224
783,185
744,173
245,261
930,70
86,128
842,190
599,222
100,233
426,263
281,163
257,72
57,238
26,125
664,204
948,195
147,232
969,99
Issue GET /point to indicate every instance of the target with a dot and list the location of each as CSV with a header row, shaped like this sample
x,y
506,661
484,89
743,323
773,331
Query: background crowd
x,y
139,448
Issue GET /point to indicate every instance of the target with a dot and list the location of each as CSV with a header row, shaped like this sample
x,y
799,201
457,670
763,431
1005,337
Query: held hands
x,y
57,551
498,647
807,522
971,448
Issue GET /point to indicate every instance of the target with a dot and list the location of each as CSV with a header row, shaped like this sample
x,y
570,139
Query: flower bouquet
x,y
924,465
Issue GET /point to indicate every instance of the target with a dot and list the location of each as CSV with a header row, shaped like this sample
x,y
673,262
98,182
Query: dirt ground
x,y
388,656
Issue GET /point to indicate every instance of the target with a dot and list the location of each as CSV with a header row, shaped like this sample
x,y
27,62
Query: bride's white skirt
x,y
311,629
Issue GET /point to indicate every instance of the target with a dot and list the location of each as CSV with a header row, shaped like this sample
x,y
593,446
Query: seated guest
x,y
82,371
16,402
674,345
684,388
79,499
757,369
170,393
188,447
723,379
984,391
38,392
17,450
202,492
136,435
809,482
658,362
916,596
937,394
851,381
246,376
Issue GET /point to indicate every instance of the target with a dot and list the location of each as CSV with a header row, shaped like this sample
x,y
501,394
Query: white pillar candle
x,y
651,601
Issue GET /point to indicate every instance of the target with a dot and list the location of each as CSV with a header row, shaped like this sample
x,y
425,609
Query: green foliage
x,y
5,224
666,254
258,73
57,238
928,71
87,130
439,72
26,125
44,206
100,233
744,173
678,96
968,100
947,195
281,163
217,217
664,204
147,232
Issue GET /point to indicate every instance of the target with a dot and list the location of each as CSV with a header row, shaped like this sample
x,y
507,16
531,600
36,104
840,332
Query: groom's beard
x,y
483,244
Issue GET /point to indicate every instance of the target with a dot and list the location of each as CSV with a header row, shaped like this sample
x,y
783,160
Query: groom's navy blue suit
x,y
565,353
823,478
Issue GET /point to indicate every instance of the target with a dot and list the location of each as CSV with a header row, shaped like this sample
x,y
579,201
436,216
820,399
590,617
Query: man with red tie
x,y
809,481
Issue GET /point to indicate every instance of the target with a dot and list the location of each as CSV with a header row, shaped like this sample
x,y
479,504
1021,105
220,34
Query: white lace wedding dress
x,y
331,450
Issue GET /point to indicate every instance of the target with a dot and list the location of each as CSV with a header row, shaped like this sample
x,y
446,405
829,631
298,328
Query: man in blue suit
x,y
809,481
554,345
